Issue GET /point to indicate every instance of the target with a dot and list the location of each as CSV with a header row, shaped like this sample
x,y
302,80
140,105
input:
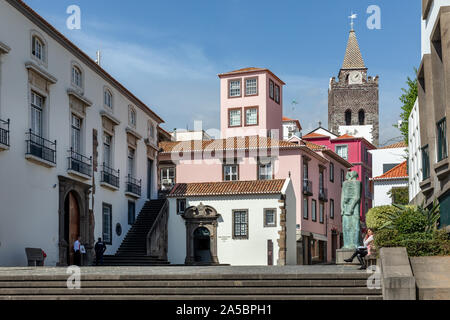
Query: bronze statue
x,y
350,210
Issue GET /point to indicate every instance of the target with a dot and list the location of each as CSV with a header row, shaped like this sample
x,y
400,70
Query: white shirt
x,y
367,241
76,245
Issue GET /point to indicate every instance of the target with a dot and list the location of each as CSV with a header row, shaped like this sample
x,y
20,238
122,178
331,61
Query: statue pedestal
x,y
342,254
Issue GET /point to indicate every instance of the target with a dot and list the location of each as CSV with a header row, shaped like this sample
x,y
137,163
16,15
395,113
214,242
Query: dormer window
x,y
77,77
38,48
108,99
234,88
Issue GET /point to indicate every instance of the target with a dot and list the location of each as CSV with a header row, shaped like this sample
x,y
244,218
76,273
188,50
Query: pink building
x,y
356,151
245,154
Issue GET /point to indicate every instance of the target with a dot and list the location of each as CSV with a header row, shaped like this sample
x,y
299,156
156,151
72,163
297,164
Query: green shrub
x,y
377,217
410,221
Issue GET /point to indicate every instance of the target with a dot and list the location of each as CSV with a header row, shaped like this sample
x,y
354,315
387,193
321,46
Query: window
x,y
108,99
270,217
331,209
331,171
361,117
37,104
305,170
240,224
314,210
107,139
425,162
76,77
251,116
305,208
235,88
181,206
251,87
348,117
131,212
321,212
265,170
342,176
132,116
167,178
389,166
442,140
38,48
151,130
271,89
342,151
131,154
76,134
234,117
231,172
277,94
107,224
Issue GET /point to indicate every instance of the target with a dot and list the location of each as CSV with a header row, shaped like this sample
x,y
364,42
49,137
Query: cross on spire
x,y
352,17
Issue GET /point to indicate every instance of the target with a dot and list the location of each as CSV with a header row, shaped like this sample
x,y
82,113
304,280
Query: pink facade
x,y
358,155
310,170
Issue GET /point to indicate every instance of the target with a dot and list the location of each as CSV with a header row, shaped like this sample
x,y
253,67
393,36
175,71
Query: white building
x,y
359,131
188,135
291,127
236,223
415,155
81,148
397,177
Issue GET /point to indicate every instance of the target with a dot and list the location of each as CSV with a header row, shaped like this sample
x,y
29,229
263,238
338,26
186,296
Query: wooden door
x,y
74,225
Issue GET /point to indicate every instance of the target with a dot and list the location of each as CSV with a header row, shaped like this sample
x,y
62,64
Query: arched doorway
x,y
71,224
202,245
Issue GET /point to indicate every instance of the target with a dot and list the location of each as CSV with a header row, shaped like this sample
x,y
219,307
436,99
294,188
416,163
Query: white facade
x,y
428,23
382,189
415,155
30,191
185,135
364,131
387,156
238,252
290,128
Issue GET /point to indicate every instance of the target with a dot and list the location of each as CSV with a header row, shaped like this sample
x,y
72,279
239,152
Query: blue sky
x,y
169,52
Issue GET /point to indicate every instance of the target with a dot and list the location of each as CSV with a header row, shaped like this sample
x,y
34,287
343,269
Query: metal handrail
x,y
134,185
80,163
40,147
110,175
4,133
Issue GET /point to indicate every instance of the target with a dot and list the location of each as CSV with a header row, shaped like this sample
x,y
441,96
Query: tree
x,y
408,99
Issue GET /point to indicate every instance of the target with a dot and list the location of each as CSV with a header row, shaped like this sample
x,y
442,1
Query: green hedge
x,y
376,217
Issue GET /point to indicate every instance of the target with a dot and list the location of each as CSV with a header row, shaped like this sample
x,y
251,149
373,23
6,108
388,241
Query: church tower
x,y
353,106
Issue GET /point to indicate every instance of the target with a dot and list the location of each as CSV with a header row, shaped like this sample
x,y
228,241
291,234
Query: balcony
x,y
133,187
110,177
79,165
40,150
4,134
323,194
307,187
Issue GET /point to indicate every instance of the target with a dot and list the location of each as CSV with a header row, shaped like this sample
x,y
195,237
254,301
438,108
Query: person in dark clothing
x,y
364,250
100,249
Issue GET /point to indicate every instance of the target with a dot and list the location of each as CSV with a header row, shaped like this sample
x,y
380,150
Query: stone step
x,y
204,291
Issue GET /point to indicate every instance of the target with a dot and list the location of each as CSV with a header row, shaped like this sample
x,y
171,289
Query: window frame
x,y
341,146
107,91
180,201
260,164
43,61
257,116
240,237
277,94
134,213
76,130
321,212
271,89
109,145
37,109
441,140
314,210
75,67
225,165
305,212
229,118
332,209
131,161
331,172
132,120
266,225
229,88
109,206
257,86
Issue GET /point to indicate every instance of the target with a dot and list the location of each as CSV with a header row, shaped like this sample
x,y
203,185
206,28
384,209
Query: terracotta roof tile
x,y
227,188
396,145
245,143
400,171
346,136
313,135
314,146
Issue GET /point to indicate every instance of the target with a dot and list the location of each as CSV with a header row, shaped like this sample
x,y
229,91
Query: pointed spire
x,y
353,58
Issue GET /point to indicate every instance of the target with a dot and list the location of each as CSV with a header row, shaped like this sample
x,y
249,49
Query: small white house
x,y
397,177
235,223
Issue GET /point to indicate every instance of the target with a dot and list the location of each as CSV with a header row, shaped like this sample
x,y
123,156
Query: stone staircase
x,y
133,249
191,283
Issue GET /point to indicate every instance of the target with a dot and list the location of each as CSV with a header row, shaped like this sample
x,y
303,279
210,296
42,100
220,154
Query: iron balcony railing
x,y
323,194
134,185
307,187
40,147
110,176
4,132
80,163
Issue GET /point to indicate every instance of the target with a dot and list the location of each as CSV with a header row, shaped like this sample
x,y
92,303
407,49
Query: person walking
x,y
77,252
363,251
100,248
